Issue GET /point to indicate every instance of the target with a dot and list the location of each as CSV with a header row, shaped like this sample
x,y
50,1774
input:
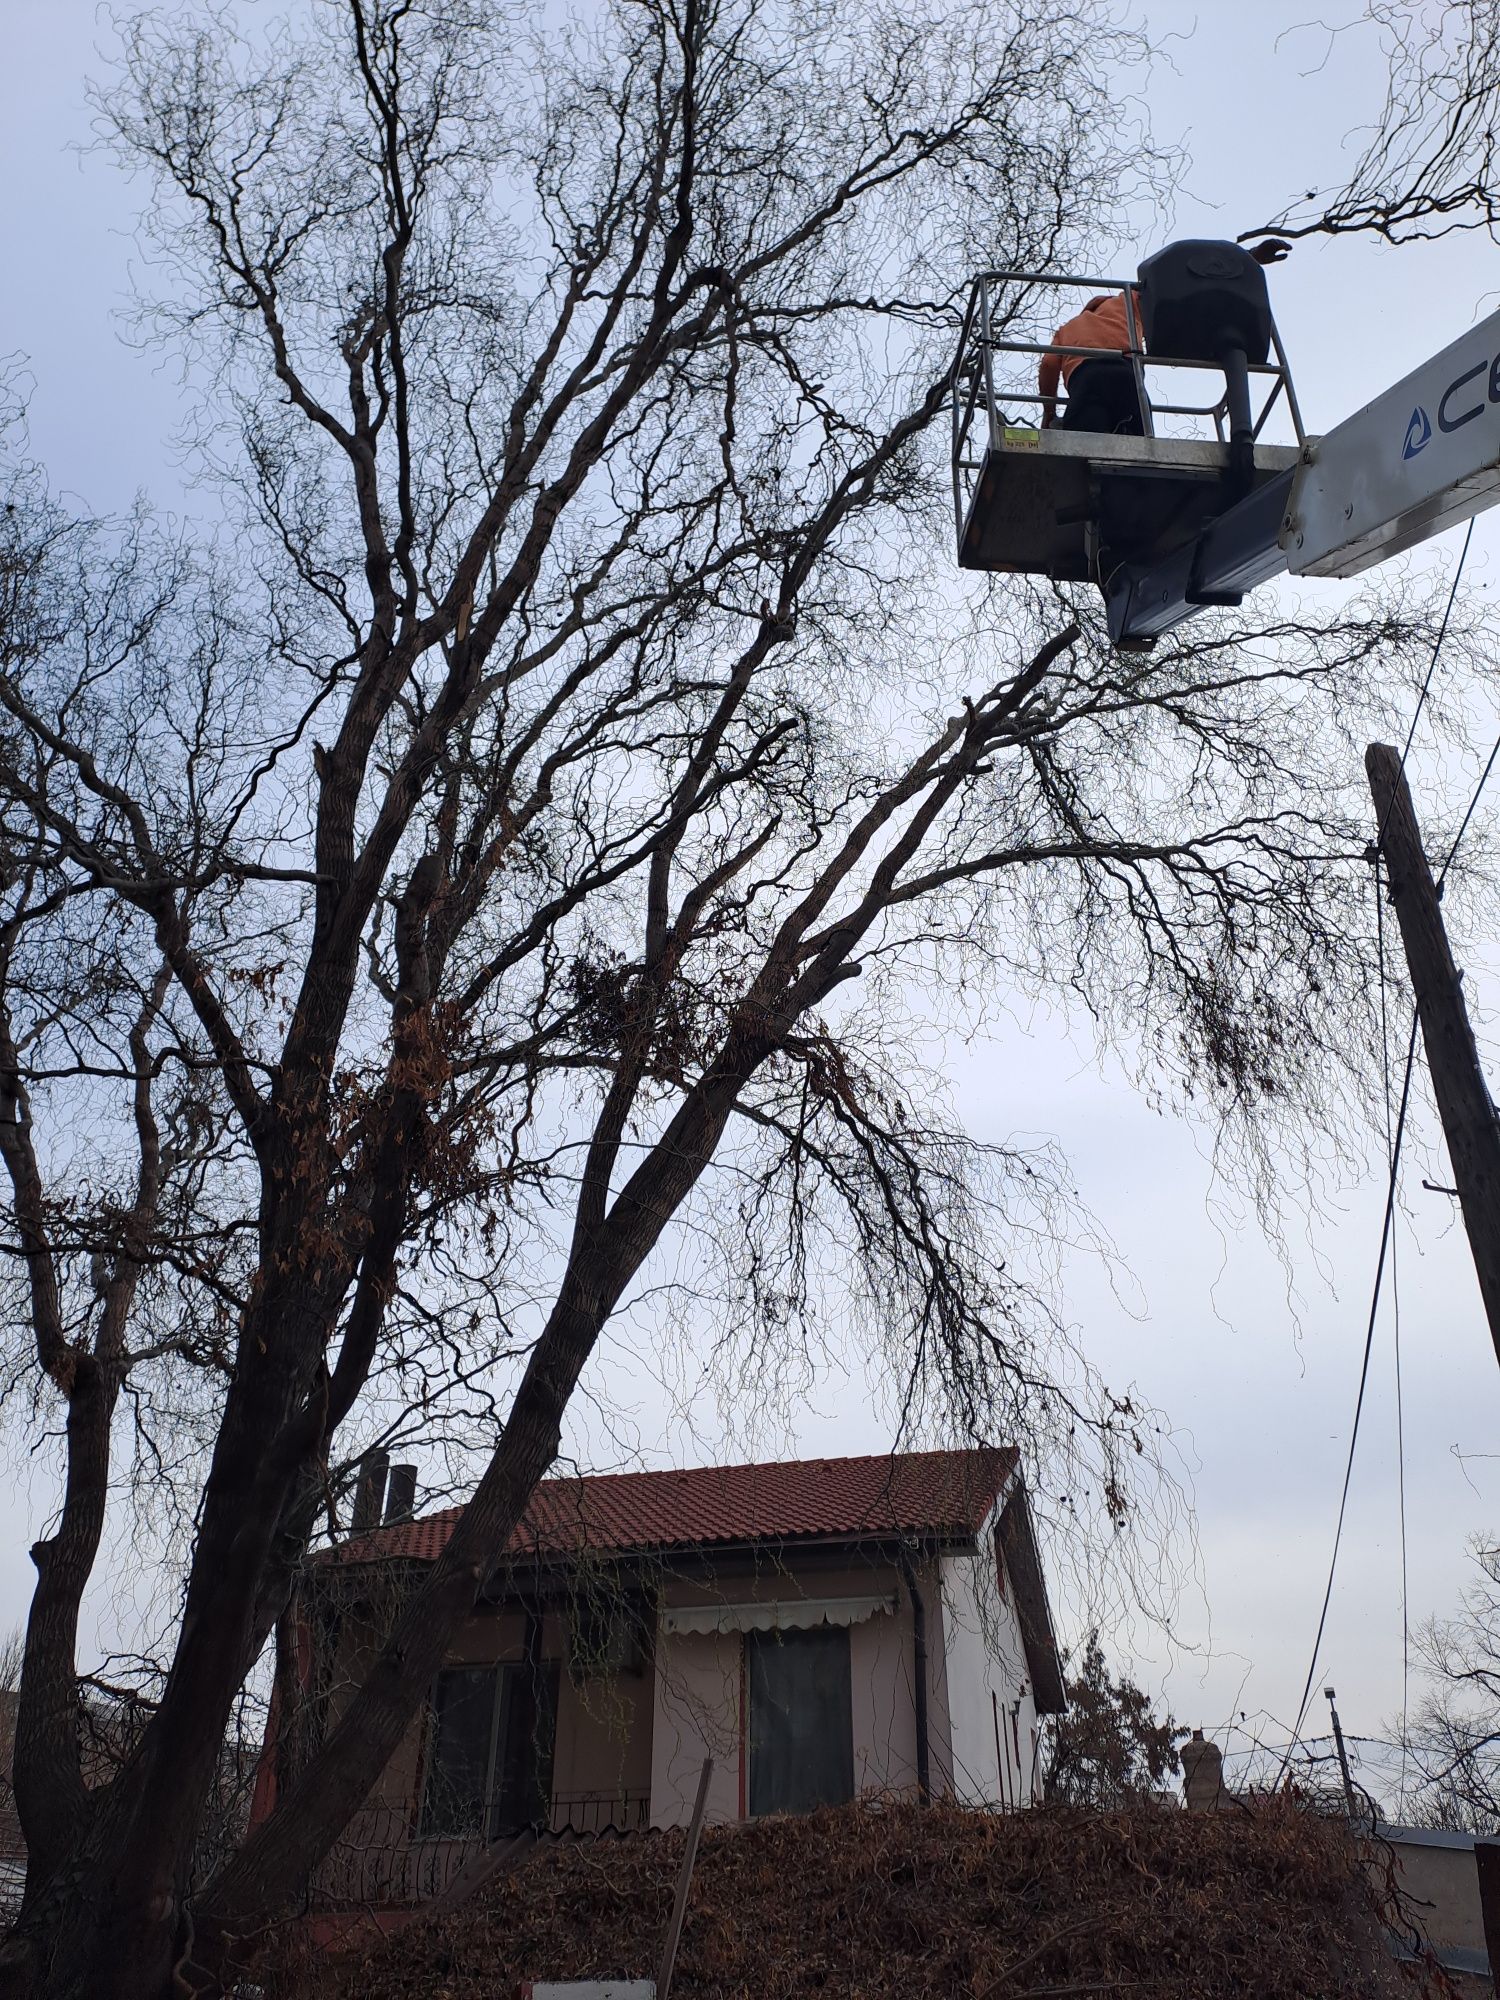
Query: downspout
x,y
919,1671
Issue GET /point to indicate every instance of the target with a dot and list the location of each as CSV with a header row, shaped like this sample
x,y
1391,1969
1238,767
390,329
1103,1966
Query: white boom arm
x,y
1421,456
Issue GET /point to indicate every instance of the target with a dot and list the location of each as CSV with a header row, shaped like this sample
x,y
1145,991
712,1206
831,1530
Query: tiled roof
x,y
938,1493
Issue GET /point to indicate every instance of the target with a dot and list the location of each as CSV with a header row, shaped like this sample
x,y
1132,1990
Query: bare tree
x,y
516,840
1431,165
1110,1748
1452,1739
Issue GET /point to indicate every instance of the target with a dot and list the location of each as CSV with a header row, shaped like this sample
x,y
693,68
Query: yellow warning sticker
x,y
1018,440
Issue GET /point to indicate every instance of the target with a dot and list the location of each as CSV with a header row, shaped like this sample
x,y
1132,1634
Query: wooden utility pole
x,y
1463,1098
1338,1737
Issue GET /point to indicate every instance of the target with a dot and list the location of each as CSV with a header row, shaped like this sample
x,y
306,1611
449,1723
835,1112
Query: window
x,y
464,1713
801,1727
489,1770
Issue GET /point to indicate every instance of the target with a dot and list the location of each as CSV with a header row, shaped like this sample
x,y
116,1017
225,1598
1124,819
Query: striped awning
x,y
784,1614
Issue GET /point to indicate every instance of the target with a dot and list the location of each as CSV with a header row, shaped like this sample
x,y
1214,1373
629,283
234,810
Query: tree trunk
x,y
51,1801
107,1914
281,1854
331,1790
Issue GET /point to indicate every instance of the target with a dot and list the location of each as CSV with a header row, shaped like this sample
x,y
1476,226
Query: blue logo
x,y
1418,433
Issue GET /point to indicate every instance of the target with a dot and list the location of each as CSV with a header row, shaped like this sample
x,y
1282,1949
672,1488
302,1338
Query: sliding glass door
x,y
800,1722
489,1764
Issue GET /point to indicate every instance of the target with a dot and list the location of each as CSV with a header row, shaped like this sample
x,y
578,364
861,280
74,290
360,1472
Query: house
x,y
1438,1871
1426,1879
821,1629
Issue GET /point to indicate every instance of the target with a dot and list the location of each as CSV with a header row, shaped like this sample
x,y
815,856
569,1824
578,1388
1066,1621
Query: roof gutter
x,y
684,1560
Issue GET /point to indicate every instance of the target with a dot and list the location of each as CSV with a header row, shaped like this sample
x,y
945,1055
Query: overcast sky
x,y
1258,1378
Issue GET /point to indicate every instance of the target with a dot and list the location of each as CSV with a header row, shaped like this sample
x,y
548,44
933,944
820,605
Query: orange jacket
x,y
1103,323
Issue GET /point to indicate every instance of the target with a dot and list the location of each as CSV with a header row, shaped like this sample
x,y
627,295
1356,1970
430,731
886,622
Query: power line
x,y
1401,1504
1478,794
1393,1146
1437,647
1484,778
1364,1372
1385,1064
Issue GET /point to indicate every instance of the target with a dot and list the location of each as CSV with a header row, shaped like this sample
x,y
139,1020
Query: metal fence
x,y
384,1859
600,1812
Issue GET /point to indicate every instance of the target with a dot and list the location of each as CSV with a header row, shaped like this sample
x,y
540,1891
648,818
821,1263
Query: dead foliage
x,y
890,1899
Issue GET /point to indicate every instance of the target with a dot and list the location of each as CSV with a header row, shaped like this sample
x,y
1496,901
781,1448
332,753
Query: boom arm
x,y
1421,456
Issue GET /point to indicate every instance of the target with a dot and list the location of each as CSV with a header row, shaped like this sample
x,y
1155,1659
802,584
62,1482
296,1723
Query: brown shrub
x,y
877,1900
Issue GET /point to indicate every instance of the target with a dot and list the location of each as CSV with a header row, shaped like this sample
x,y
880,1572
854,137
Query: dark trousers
x,y
1102,396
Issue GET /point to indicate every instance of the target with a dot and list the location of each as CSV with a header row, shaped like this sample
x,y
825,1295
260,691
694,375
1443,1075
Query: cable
x,y
1401,1503
1364,1376
1385,1065
1394,1149
1437,647
1484,778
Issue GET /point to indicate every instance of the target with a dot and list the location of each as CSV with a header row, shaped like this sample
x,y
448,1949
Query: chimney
x,y
1203,1774
369,1492
401,1494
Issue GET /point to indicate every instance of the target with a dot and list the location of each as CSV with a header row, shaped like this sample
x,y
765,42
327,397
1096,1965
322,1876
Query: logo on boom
x,y
1418,433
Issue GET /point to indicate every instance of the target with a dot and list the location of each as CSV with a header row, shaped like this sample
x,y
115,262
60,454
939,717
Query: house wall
x,y
986,1677
884,1709
1436,1869
640,1739
699,1689
1444,1883
696,1714
601,1765
604,1734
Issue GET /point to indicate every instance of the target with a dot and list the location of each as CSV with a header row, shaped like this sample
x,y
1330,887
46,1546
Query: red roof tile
x,y
921,1492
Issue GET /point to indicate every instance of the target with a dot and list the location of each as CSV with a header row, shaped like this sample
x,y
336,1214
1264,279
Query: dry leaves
x,y
888,1899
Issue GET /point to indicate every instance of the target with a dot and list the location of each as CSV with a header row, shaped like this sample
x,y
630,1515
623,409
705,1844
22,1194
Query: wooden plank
x,y
487,1866
684,1877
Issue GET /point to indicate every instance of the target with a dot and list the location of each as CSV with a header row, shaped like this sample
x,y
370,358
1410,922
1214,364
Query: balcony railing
x,y
600,1812
383,1859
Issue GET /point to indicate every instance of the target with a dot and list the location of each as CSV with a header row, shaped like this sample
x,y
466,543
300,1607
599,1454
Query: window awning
x,y
786,1614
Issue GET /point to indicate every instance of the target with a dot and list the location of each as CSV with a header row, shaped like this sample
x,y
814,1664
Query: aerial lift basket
x,y
1081,507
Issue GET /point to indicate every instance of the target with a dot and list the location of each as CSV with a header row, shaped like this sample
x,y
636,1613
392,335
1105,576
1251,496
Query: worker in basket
x,y
1103,394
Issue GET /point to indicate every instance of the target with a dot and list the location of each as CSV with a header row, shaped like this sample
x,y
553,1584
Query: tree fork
x,y
1470,1125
